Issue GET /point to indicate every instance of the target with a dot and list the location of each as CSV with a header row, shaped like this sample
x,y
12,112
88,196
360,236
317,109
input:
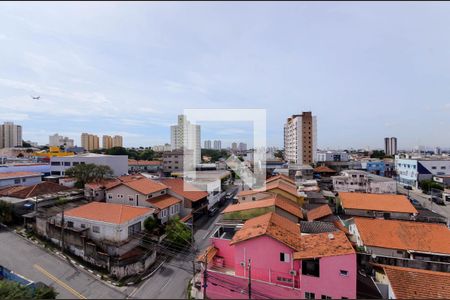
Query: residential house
x,y
20,178
148,166
408,283
283,263
318,212
408,241
377,205
363,182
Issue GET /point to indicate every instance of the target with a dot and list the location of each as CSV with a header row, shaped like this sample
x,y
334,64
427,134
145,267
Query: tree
x,y
278,154
85,173
26,145
427,185
378,154
215,154
150,224
177,232
147,154
116,151
6,212
13,290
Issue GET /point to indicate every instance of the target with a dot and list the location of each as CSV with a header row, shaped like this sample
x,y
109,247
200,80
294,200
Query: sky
x,y
367,70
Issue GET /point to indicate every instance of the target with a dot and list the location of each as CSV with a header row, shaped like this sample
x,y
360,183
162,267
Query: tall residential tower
x,y
300,139
10,135
185,135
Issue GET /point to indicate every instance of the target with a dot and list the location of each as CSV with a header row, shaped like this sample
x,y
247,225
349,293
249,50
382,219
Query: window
x,y
24,179
163,192
16,181
442,167
243,198
96,229
70,224
344,298
434,168
75,163
284,257
83,163
253,198
343,272
311,267
130,198
110,196
133,229
325,297
164,213
55,163
67,163
310,295
83,226
284,279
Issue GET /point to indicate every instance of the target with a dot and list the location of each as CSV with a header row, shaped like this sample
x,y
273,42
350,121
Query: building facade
x,y
217,145
185,135
20,178
89,141
323,156
107,142
57,140
207,144
117,141
363,182
411,171
118,163
300,138
162,148
390,146
10,135
173,161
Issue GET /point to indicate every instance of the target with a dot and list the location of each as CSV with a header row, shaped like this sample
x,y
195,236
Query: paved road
x,y
29,260
424,199
171,280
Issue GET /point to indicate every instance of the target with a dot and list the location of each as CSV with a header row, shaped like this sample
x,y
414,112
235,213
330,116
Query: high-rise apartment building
x,y
218,145
242,147
234,146
117,141
207,144
107,142
185,135
89,141
59,140
10,135
300,138
390,146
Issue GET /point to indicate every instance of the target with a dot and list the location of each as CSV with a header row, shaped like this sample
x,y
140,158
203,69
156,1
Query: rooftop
x,y
323,244
108,212
8,175
39,189
317,227
319,212
323,169
163,201
177,185
410,283
140,184
134,162
377,202
404,235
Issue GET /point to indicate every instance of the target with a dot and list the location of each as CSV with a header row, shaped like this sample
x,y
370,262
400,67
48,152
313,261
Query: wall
x,y
112,196
32,180
118,163
253,197
120,271
372,214
225,250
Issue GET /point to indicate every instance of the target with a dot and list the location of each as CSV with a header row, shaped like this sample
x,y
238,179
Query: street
x,y
424,199
34,263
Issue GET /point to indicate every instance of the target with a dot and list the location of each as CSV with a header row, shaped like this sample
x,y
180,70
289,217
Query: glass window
x,y
343,272
309,295
67,163
70,224
311,267
16,181
284,257
24,179
325,297
110,196
130,198
133,229
96,229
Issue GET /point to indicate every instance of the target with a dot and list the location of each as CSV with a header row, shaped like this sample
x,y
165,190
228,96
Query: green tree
x,y
427,185
215,154
150,224
85,173
13,290
177,232
116,151
147,154
44,292
378,154
279,154
26,145
6,212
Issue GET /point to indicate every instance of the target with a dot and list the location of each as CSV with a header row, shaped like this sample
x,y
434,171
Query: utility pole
x,y
249,280
193,246
205,276
62,231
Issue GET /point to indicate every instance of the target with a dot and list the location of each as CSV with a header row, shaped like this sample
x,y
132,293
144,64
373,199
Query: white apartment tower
x,y
59,140
185,135
300,139
218,145
207,144
10,135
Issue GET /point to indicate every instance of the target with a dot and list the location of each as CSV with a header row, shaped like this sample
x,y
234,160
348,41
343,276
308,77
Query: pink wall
x,y
264,253
225,250
330,282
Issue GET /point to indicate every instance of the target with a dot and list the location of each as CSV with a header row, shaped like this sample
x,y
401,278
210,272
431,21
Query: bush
x,y
6,212
150,224
177,232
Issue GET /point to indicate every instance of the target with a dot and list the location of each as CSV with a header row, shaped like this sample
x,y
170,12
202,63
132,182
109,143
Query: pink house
x,y
281,261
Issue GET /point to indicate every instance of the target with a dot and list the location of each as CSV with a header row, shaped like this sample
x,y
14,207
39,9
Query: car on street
x,y
415,202
212,212
438,200
408,187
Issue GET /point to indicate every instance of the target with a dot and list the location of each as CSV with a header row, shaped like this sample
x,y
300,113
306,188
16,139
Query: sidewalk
x,y
195,293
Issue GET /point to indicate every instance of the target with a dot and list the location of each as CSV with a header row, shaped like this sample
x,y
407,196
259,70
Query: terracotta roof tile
x,y
163,201
376,202
410,283
140,184
18,174
177,186
282,177
108,212
323,244
39,189
276,200
134,162
323,169
107,183
404,235
319,212
209,252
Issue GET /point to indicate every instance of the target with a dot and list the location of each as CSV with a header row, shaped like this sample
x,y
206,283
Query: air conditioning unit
x,y
293,272
242,263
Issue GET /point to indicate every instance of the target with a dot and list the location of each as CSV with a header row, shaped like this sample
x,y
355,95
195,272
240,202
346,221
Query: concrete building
x,y
149,166
57,140
118,163
89,141
10,135
173,161
217,145
411,170
185,135
207,144
162,148
323,156
390,146
107,142
234,146
242,147
20,178
117,141
300,138
364,182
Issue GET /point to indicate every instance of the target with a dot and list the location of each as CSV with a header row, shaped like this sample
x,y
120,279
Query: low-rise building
x,y
386,206
149,166
334,155
364,182
118,163
19,178
173,161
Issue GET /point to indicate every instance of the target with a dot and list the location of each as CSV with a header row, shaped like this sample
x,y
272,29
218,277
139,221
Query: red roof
x,y
39,189
108,212
163,201
323,244
277,200
323,169
376,202
177,185
18,174
134,162
140,184
319,212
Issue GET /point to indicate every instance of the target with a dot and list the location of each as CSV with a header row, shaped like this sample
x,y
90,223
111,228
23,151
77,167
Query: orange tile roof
x,y
42,188
177,186
209,252
323,169
144,162
142,185
319,212
275,200
377,202
18,174
282,177
323,244
410,283
280,184
107,183
108,212
163,201
270,224
404,235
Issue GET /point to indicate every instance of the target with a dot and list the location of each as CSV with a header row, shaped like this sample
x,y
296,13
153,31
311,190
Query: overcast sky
x,y
366,70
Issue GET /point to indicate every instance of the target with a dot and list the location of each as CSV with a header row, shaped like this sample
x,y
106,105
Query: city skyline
x,y
121,74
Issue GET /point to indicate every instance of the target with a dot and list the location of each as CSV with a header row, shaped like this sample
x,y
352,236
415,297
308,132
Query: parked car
x,y
408,187
213,211
415,202
438,200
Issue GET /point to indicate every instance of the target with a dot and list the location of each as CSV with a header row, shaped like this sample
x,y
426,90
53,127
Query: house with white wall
x,y
20,178
363,182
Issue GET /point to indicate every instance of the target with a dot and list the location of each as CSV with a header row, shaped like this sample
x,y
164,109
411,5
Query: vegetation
x,y
278,154
378,154
427,185
13,290
6,213
138,154
177,232
26,145
150,224
214,154
85,173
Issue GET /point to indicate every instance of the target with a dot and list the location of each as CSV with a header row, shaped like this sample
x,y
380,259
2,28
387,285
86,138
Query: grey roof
x,y
317,227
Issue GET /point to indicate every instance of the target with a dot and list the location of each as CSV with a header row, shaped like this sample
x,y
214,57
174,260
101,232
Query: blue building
x,y
376,167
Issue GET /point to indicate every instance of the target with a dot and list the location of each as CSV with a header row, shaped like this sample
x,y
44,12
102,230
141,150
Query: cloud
x,y
14,116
